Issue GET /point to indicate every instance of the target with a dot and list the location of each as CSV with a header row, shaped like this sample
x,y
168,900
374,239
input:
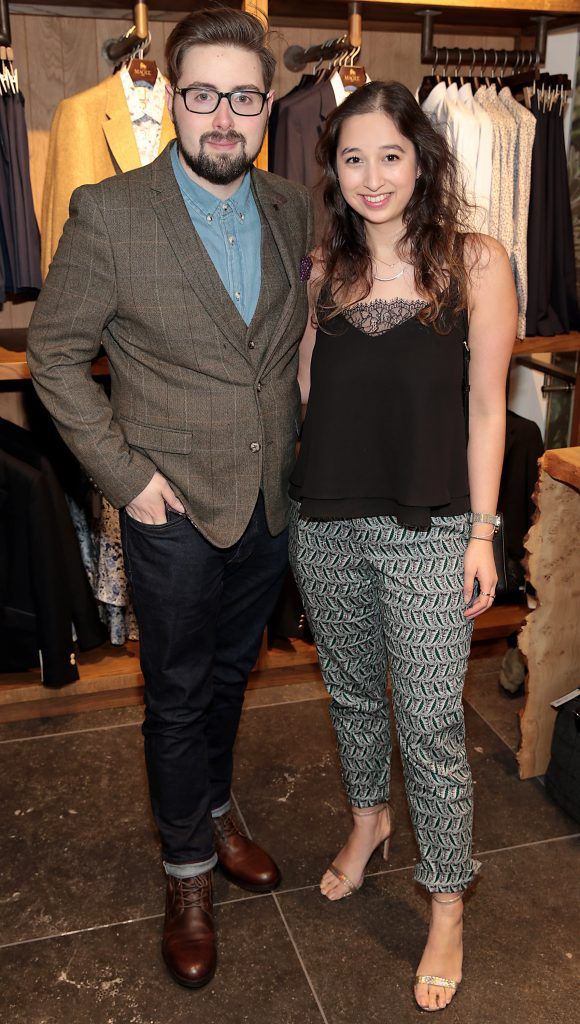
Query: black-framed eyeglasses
x,y
245,102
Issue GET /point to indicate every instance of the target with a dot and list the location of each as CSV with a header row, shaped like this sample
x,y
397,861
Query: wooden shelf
x,y
110,676
559,343
563,464
13,365
514,14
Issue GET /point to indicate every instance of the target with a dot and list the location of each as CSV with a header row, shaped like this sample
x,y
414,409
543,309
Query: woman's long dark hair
x,y
435,219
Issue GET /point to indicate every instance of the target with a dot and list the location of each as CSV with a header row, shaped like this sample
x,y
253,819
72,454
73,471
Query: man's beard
x,y
221,169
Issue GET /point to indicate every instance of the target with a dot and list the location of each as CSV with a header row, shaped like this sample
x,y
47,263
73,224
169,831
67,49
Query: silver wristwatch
x,y
485,517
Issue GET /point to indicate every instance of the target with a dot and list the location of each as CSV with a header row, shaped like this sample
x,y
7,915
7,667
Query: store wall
x,y
59,56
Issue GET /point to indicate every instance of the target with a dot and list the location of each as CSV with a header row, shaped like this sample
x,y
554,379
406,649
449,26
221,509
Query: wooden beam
x,y
550,637
564,464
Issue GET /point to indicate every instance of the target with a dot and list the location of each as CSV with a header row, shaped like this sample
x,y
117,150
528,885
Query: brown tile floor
x,y
82,895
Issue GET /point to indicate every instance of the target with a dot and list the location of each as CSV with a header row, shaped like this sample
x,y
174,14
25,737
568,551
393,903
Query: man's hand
x,y
149,506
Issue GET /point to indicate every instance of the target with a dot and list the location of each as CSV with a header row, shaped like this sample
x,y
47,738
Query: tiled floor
x,y
82,896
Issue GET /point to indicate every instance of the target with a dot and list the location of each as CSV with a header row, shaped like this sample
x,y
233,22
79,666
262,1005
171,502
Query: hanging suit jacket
x,y
44,588
19,236
523,448
300,125
210,402
91,138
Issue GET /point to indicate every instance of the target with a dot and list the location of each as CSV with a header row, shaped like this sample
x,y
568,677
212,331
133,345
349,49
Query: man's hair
x,y
219,26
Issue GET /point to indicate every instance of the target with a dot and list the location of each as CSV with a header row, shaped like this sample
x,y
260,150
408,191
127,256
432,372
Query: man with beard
x,y
187,271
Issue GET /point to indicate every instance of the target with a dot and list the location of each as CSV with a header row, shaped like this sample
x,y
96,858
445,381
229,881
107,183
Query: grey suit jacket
x,y
195,393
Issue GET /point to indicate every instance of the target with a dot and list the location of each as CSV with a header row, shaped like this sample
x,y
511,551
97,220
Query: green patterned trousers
x,y
380,596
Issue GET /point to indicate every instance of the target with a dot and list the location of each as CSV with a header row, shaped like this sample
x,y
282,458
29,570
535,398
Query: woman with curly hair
x,y
393,511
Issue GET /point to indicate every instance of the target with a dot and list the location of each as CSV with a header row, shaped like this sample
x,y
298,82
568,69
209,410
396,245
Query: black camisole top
x,y
384,433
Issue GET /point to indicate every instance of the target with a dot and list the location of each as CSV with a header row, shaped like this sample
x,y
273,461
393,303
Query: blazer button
x,y
259,386
251,344
255,447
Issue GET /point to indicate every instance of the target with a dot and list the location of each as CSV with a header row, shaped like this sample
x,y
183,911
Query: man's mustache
x,y
217,137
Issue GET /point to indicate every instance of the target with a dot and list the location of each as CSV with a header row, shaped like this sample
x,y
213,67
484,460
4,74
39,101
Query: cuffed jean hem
x,y
217,813
457,882
190,870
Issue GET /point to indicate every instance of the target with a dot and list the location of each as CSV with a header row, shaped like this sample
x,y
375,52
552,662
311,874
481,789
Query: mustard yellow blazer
x,y
91,138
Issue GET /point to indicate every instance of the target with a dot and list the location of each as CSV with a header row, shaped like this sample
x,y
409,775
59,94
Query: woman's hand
x,y
479,564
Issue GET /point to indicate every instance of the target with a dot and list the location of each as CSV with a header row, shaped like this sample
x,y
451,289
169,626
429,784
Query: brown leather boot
x,y
241,860
188,945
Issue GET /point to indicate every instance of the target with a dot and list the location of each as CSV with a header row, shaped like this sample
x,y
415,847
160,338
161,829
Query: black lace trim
x,y
382,315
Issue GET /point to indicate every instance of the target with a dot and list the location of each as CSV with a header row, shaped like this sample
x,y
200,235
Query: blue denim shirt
x,y
231,232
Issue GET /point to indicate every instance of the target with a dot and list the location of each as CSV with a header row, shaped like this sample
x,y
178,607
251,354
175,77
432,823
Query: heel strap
x,y
363,812
454,899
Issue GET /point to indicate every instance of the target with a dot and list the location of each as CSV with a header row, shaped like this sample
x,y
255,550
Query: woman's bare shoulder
x,y
482,252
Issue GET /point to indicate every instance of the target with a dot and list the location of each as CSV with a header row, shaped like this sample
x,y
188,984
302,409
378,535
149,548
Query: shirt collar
x,y
435,98
205,202
143,101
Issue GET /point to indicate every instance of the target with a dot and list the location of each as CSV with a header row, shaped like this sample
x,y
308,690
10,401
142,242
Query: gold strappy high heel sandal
x,y
351,887
432,979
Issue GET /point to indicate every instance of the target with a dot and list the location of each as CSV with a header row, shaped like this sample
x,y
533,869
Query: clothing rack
x,y
5,36
296,58
116,50
457,56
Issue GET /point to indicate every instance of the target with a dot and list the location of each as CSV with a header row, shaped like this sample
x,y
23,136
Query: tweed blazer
x,y
210,402
91,138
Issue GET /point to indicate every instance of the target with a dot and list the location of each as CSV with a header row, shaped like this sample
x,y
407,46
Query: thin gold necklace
x,y
384,262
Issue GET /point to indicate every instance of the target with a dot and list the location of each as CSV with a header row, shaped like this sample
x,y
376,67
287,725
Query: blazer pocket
x,y
157,439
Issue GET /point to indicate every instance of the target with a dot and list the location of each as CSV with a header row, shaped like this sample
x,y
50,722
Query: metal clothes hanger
x,y
429,81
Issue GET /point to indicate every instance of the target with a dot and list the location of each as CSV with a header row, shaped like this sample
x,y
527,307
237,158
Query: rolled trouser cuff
x,y
219,811
190,870
447,881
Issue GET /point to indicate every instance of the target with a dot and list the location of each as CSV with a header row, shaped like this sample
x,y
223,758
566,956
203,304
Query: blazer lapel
x,y
272,205
118,128
192,255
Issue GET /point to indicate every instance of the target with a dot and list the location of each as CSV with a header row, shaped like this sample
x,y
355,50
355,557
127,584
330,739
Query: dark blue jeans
x,y
201,612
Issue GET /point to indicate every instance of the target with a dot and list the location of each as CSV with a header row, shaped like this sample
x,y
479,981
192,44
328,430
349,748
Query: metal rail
x,y
5,37
115,50
296,58
457,56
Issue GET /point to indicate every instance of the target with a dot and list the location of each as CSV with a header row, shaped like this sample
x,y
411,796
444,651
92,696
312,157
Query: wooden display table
x,y
550,638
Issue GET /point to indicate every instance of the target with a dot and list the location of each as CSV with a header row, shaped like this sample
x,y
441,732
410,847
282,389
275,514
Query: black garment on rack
x,y
563,293
523,448
552,300
19,234
277,107
300,124
44,588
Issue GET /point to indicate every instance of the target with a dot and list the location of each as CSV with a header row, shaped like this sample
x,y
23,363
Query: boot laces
x,y
226,825
193,891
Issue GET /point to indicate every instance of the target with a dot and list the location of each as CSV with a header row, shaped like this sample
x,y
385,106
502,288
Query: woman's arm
x,y
493,312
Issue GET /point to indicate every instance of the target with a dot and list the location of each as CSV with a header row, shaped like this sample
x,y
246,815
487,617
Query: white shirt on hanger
x,y
340,93
461,129
145,105
483,168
